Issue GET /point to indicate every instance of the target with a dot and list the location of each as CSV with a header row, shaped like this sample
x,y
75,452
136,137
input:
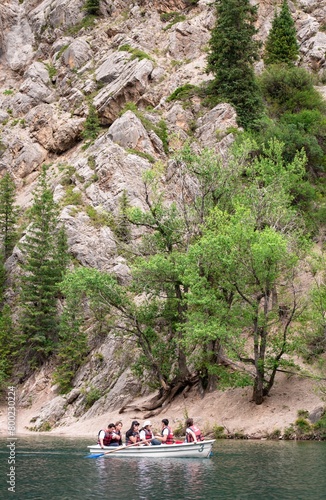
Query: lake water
x,y
49,468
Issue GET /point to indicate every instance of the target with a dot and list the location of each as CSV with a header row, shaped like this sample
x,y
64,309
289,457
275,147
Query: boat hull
x,y
185,450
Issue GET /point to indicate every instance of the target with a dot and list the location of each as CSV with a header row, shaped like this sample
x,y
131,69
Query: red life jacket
x,y
199,437
107,438
128,441
170,437
148,434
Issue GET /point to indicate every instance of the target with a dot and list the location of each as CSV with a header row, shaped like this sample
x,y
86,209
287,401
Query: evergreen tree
x,y
92,125
123,225
92,7
8,215
8,344
43,271
281,45
232,53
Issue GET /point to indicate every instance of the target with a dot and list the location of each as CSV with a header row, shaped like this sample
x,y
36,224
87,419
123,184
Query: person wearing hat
x,y
132,435
146,435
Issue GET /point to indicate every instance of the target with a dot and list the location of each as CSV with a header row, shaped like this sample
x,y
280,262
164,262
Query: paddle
x,y
97,455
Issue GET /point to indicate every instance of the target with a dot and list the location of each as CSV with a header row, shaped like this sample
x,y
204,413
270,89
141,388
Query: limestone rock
x,y
213,125
77,54
128,132
55,132
128,80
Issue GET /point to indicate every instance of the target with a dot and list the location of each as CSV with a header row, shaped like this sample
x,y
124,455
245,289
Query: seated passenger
x,y
166,436
118,427
146,435
108,437
193,433
132,435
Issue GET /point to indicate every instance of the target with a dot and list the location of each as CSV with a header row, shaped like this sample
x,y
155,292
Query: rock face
x,y
54,67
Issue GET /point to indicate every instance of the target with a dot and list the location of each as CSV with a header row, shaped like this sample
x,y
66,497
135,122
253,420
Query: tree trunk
x,y
258,391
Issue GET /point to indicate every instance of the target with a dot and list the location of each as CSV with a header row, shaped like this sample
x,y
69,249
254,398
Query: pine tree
x,y
8,215
123,225
92,7
43,271
8,344
92,125
281,45
233,51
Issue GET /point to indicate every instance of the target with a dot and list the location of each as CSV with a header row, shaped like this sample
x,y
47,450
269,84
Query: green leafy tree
x,y
233,51
242,272
92,7
281,44
43,270
8,215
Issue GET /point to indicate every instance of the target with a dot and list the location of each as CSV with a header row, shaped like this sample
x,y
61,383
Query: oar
x,y
97,455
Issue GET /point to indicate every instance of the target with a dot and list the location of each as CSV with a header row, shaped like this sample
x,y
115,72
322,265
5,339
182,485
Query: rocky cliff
x,y
53,67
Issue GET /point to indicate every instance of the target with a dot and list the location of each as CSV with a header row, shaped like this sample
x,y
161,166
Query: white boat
x,y
201,449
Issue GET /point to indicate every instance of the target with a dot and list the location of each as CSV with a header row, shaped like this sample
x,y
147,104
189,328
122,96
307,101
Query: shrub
x,y
92,125
183,93
92,396
136,53
218,432
289,89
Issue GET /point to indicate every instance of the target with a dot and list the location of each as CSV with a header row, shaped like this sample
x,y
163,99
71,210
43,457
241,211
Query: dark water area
x,y
52,468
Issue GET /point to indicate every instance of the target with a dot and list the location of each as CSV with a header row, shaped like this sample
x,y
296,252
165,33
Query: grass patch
x,y
147,156
86,23
135,53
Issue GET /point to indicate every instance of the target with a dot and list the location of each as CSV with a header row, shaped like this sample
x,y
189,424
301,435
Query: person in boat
x,y
146,435
166,436
108,437
118,427
193,433
132,435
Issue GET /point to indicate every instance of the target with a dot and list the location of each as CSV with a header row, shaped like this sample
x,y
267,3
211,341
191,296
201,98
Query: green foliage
x,y
159,128
8,344
86,23
299,111
142,154
43,268
72,197
92,125
122,230
72,346
218,432
240,259
281,44
51,70
99,218
136,53
92,7
233,50
183,93
290,89
8,92
172,18
8,215
91,396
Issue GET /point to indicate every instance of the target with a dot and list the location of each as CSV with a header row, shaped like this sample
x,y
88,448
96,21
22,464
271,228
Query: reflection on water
x,y
53,468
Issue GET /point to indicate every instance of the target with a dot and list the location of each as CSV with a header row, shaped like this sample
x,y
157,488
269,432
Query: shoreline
x,y
230,412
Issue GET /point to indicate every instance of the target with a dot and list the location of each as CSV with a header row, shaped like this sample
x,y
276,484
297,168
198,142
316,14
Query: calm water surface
x,y
52,468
